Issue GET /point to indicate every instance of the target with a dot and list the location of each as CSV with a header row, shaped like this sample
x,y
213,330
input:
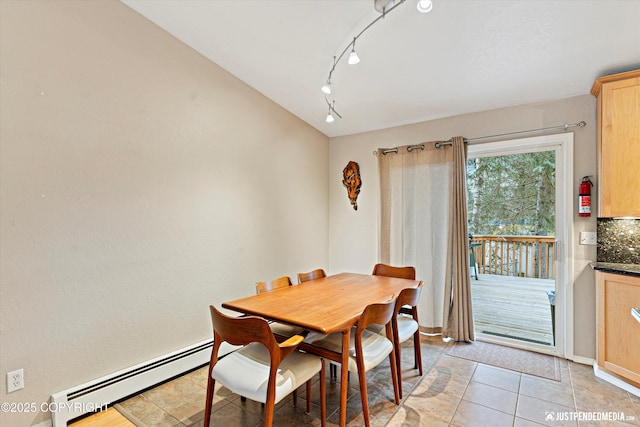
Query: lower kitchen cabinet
x,y
618,341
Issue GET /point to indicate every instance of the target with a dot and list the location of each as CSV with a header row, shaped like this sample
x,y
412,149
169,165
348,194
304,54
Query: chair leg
x,y
211,383
417,351
323,396
396,348
269,409
309,397
394,376
295,398
333,372
362,379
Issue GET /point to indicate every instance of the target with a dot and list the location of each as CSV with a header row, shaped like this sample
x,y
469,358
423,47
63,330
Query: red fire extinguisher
x,y
584,197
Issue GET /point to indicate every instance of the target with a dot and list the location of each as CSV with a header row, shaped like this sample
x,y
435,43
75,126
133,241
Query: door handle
x,y
635,312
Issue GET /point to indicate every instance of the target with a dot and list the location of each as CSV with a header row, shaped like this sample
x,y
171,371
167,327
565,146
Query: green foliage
x,y
512,195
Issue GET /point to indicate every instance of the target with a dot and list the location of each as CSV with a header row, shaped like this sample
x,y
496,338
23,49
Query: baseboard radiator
x,y
97,394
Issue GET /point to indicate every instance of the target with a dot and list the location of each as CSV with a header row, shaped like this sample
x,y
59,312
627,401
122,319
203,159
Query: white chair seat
x,y
284,330
375,347
407,326
378,329
313,336
246,372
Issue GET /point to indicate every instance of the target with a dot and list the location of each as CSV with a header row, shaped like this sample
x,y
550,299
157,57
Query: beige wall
x,y
353,241
139,183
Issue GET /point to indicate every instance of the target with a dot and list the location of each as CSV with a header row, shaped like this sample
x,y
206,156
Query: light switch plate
x,y
588,238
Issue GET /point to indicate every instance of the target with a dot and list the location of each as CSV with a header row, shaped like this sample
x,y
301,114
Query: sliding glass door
x,y
518,222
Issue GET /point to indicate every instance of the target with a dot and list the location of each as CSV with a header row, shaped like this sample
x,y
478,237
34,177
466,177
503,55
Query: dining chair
x,y
391,271
280,282
315,274
280,329
367,349
405,324
262,370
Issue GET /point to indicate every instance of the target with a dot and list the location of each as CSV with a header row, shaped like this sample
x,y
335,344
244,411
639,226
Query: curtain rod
x,y
439,144
563,127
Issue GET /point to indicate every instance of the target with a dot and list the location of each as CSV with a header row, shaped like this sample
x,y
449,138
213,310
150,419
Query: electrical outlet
x,y
588,238
15,380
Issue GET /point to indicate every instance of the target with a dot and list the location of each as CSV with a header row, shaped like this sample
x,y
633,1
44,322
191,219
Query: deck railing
x,y
522,256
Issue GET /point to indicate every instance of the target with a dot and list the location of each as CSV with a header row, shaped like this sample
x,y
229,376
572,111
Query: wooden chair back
x,y
246,330
241,330
376,314
315,274
391,271
280,282
409,298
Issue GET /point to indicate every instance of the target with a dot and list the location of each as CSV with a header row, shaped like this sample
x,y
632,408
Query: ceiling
x,y
464,56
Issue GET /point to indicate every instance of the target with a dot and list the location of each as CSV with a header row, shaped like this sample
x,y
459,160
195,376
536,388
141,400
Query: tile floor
x,y
452,392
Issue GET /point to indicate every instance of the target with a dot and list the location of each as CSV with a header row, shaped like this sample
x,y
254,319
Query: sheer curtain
x,y
420,216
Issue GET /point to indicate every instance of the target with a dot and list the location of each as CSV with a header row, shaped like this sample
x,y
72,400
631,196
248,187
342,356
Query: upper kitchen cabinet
x,y
618,139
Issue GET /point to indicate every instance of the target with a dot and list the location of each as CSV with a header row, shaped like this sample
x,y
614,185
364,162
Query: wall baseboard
x,y
96,395
615,380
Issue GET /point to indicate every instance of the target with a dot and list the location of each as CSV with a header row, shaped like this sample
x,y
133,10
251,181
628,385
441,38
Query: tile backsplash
x,y
619,240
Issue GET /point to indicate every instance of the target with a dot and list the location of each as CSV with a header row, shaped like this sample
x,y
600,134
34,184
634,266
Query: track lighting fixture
x,y
384,7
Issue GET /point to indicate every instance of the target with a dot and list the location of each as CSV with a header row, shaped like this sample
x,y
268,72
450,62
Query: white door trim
x,y
563,146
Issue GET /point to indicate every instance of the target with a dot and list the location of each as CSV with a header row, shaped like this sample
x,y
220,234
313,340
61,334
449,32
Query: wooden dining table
x,y
325,305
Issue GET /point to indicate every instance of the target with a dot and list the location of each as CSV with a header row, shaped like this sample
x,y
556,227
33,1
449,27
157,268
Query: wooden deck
x,y
512,307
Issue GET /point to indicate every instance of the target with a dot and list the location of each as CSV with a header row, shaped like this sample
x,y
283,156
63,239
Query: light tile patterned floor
x,y
452,392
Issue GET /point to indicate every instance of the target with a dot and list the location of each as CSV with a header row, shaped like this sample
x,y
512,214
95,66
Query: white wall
x,y
139,183
353,244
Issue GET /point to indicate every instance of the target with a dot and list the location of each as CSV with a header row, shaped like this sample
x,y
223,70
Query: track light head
x,y
329,118
332,111
383,5
353,56
326,88
424,6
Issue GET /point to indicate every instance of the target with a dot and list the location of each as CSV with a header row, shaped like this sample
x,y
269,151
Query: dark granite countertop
x,y
612,267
